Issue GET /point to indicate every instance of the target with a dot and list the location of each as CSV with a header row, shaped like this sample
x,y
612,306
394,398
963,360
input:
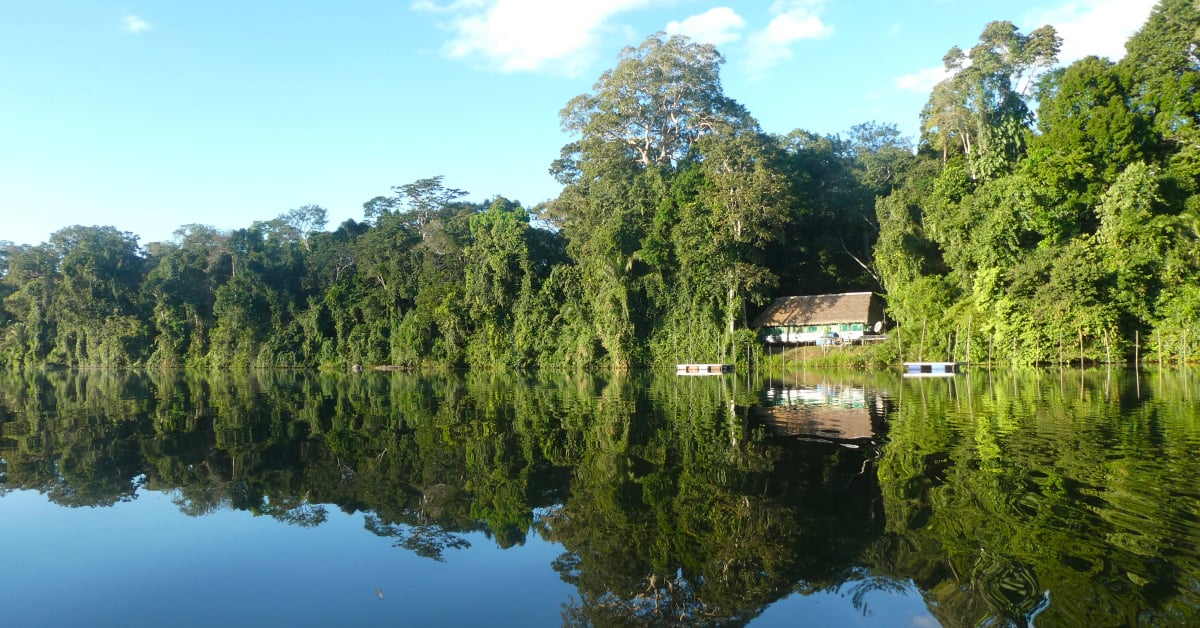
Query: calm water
x,y
1041,497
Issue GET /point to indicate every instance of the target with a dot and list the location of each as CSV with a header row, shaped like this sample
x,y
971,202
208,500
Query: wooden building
x,y
813,319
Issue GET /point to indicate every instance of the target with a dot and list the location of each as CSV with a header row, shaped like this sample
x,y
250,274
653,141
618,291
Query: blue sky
x,y
151,114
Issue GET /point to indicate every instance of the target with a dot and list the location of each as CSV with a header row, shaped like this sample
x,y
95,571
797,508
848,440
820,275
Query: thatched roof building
x,y
822,309
807,318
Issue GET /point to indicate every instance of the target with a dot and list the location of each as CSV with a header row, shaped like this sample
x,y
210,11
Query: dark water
x,y
1038,498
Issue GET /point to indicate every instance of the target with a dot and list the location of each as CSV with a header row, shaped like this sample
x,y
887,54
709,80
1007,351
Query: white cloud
x,y
715,26
922,81
794,20
922,621
135,24
528,35
1087,27
1093,27
433,7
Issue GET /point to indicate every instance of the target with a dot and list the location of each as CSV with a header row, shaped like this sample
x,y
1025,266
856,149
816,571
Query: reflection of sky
x,y
894,609
145,563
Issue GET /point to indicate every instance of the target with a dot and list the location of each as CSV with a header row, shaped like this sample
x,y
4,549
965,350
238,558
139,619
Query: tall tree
x,y
981,106
305,220
497,275
421,203
636,130
745,204
1163,61
660,98
97,302
181,284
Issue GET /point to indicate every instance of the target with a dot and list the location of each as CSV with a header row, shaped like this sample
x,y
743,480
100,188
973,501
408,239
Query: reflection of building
x,y
809,319
826,411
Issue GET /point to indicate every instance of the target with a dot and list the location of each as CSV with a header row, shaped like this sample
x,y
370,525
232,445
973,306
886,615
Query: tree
x,y
745,203
98,302
1163,63
305,220
497,272
181,285
831,226
981,106
660,98
29,285
881,156
421,203
637,130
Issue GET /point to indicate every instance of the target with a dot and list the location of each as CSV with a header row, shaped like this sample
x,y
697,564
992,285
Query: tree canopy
x,y
1042,209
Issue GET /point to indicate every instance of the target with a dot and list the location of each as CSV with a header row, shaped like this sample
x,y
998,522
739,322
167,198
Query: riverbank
x,y
856,357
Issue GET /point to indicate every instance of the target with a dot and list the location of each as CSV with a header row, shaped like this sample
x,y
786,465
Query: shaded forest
x,y
1046,213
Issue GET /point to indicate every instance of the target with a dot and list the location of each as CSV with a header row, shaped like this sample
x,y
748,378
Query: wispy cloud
x,y
135,24
922,81
528,35
1093,27
716,26
794,20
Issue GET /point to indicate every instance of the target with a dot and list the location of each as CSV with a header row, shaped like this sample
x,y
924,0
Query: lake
x,y
1048,497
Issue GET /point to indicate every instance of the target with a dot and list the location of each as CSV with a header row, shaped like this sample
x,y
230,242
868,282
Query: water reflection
x,y
815,407
999,498
1064,496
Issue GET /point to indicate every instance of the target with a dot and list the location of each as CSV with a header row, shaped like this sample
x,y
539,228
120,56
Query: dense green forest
x,y
1045,214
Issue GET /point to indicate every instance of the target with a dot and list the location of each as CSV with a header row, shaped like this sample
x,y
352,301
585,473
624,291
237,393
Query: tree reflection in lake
x,y
668,520
702,500
1067,497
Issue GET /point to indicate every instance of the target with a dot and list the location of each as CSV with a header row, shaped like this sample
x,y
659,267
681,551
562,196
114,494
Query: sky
x,y
148,115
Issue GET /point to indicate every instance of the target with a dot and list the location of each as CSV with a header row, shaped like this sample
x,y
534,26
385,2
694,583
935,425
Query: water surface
x,y
1055,498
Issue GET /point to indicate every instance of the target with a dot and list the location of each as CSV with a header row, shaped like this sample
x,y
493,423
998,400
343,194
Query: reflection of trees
x,y
667,504
426,460
670,522
423,539
1029,496
1004,500
77,445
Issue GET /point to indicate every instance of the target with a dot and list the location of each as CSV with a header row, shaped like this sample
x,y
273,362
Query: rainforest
x,y
1045,214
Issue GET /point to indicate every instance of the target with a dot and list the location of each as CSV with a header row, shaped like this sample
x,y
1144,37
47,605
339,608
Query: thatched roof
x,y
820,309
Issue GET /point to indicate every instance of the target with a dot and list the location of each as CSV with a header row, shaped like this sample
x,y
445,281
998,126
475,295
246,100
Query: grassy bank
x,y
857,357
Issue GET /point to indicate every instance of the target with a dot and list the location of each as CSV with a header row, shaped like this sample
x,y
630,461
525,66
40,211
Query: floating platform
x,y
703,369
932,369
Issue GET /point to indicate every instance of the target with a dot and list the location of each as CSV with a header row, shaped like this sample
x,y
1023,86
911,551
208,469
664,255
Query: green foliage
x,y
1075,238
980,109
660,98
1083,245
